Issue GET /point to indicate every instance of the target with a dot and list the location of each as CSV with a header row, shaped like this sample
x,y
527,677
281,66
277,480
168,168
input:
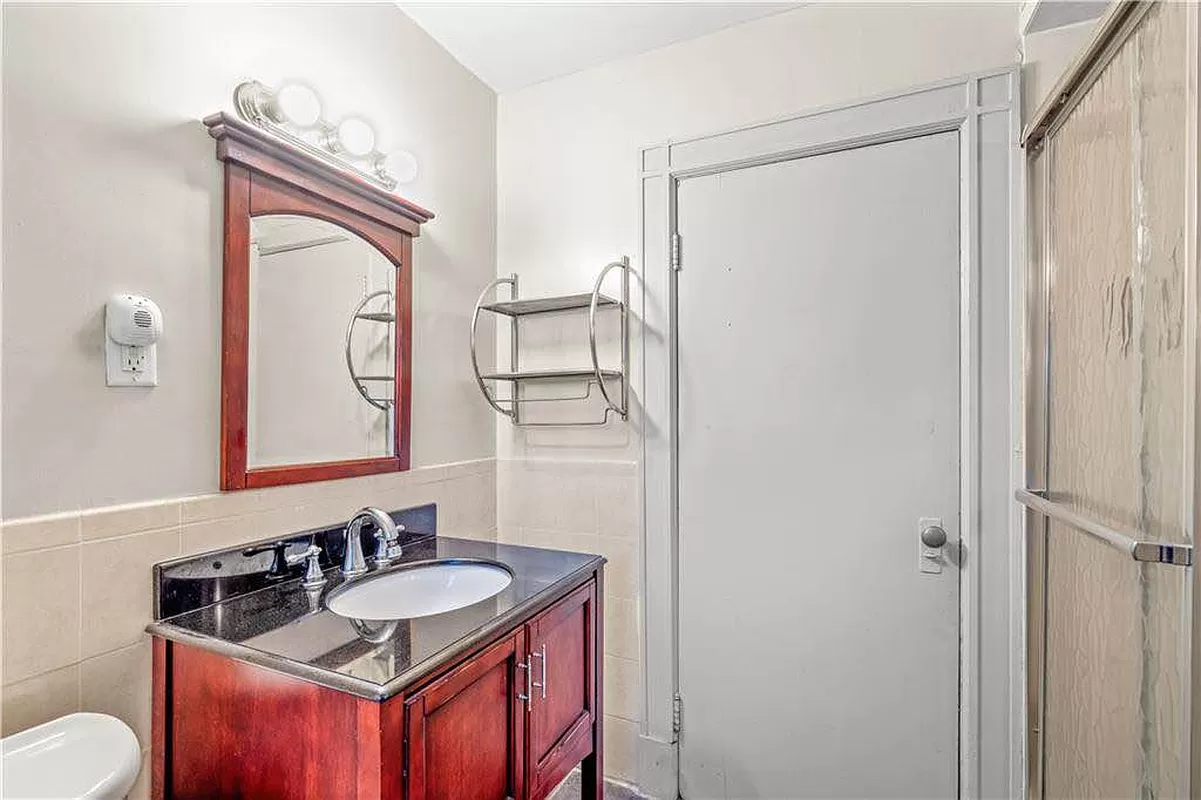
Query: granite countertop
x,y
286,628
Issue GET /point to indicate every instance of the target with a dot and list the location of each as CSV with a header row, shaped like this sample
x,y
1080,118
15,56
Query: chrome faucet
x,y
387,533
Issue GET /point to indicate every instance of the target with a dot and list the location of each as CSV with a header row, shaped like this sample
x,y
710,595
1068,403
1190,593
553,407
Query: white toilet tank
x,y
92,756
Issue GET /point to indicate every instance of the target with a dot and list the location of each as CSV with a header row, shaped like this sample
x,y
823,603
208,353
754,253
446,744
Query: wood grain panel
x,y
563,655
242,731
465,730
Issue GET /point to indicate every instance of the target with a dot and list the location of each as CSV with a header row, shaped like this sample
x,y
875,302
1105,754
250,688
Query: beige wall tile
x,y
117,588
123,520
475,497
39,699
217,534
399,494
549,496
41,611
479,536
118,683
621,749
432,474
554,540
622,692
36,533
617,507
329,511
289,496
621,573
507,486
621,628
466,505
464,469
216,506
280,521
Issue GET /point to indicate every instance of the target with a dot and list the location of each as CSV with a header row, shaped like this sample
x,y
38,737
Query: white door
x,y
819,385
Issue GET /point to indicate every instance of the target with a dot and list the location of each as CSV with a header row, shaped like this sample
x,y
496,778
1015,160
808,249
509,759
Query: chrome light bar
x,y
293,113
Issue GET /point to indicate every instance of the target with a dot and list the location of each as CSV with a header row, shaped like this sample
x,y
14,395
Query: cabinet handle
x,y
542,655
525,698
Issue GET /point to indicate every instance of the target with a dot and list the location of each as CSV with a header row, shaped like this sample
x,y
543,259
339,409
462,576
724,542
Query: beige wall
x,y
569,201
111,183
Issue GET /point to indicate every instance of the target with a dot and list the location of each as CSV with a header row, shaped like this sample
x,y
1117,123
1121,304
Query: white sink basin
x,y
419,591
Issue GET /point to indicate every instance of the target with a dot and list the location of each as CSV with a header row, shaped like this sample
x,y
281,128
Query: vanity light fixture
x,y
297,104
355,136
293,113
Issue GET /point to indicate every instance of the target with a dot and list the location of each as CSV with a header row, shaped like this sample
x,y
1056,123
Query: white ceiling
x,y
513,45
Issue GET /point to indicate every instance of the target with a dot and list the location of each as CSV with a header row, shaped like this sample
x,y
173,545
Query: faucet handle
x,y
313,577
281,561
387,546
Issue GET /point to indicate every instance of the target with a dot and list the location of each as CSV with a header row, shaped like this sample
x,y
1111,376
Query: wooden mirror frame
x,y
265,175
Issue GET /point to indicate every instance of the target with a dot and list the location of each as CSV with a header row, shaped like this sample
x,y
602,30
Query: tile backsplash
x,y
77,588
591,507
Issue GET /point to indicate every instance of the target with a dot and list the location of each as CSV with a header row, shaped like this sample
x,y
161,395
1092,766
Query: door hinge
x,y
677,713
675,252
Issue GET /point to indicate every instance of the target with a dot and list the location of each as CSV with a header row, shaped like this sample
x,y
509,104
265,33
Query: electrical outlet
x,y
130,365
133,358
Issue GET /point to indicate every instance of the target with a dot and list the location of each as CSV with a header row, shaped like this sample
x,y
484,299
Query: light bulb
x,y
356,137
401,165
298,104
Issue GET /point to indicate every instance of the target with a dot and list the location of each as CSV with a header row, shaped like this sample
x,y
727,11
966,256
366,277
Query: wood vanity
x,y
511,720
509,715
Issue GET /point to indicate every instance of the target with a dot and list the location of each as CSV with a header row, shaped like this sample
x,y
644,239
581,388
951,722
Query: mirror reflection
x,y
322,344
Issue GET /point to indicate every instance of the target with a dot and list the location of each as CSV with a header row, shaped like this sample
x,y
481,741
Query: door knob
x,y
933,536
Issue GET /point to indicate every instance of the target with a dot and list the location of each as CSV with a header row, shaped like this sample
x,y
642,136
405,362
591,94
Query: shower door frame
x,y
991,233
1120,21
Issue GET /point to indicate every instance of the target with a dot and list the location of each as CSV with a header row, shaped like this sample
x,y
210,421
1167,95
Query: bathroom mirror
x,y
322,328
316,316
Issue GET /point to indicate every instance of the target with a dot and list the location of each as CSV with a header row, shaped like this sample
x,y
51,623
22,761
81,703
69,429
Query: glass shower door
x,y
1111,437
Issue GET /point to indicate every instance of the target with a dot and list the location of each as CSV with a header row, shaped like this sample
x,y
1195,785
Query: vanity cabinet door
x,y
464,733
562,664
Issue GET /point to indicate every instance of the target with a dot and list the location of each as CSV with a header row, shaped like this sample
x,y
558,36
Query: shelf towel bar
x,y
616,400
1180,555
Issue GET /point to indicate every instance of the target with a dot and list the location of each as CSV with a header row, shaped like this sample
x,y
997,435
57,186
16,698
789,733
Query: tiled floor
x,y
570,790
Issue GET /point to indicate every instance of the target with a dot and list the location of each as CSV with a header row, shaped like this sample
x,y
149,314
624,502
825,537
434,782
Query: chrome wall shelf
x,y
544,305
361,381
615,397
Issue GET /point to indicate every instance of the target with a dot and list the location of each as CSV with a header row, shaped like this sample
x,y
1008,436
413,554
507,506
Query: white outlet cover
x,y
117,375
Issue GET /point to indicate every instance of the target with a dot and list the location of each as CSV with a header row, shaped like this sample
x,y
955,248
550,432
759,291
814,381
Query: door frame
x,y
984,109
